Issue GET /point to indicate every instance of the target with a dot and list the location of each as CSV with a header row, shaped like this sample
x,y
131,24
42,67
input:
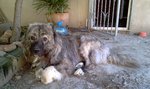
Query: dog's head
x,y
41,36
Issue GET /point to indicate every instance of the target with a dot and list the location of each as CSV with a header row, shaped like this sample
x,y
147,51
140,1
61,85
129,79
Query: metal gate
x,y
109,15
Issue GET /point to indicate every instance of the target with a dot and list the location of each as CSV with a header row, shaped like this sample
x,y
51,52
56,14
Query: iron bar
x,y
90,17
129,14
112,20
105,14
98,12
121,9
117,19
94,14
101,13
108,14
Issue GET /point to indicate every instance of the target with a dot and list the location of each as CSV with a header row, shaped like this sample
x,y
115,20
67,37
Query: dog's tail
x,y
123,60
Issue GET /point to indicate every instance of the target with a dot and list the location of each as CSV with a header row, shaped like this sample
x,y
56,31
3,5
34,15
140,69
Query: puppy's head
x,y
40,36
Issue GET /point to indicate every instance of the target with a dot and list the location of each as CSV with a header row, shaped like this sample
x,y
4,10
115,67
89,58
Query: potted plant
x,y
56,9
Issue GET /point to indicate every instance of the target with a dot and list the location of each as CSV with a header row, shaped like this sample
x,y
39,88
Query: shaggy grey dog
x,y
53,49
62,51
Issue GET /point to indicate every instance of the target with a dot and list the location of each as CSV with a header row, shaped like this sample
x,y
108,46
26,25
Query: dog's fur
x,y
95,52
52,48
62,51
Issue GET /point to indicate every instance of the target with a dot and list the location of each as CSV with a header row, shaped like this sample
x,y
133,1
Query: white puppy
x,y
48,75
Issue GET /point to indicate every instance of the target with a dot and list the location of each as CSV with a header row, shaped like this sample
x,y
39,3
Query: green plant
x,y
8,61
52,6
6,64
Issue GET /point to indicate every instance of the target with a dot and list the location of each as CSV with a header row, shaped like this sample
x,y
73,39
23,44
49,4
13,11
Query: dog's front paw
x,y
79,72
79,65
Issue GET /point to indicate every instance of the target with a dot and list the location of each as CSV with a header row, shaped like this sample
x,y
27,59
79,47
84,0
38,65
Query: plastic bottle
x,y
61,29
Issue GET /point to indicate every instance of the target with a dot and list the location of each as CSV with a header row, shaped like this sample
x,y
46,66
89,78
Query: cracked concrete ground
x,y
103,76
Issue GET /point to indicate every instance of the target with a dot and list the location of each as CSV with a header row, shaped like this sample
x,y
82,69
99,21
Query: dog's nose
x,y
36,50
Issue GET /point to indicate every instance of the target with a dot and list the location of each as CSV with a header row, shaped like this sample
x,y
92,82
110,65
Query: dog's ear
x,y
53,29
52,26
55,34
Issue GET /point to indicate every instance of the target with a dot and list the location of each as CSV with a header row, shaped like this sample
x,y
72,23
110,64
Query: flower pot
x,y
61,17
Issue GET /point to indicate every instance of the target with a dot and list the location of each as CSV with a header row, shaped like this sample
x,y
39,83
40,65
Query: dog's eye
x,y
33,38
45,39
43,34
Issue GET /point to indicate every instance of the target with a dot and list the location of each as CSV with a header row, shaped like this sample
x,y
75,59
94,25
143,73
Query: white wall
x,y
78,12
140,16
29,15
7,7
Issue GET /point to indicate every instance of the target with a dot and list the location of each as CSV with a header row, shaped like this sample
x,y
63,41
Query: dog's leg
x,y
65,67
53,54
85,54
79,71
87,60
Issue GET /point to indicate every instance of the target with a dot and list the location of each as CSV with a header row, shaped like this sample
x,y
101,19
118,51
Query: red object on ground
x,y
143,34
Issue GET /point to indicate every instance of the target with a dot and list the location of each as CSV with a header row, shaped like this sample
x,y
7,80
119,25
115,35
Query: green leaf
x,y
52,6
6,64
18,52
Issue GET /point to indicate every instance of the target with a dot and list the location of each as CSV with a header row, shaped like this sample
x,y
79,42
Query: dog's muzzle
x,y
37,48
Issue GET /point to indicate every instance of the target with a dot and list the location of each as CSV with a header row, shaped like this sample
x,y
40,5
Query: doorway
x,y
103,14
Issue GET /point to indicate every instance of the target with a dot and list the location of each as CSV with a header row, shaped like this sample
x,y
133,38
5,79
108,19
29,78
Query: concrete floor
x,y
103,76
